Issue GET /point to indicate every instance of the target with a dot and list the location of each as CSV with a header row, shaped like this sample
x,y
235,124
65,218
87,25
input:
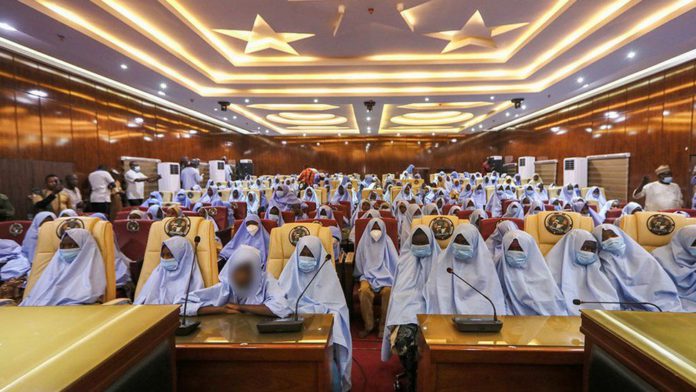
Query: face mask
x,y
376,234
168,264
462,252
584,257
421,250
252,229
515,258
530,192
614,245
273,217
136,169
306,263
280,193
692,251
69,255
667,180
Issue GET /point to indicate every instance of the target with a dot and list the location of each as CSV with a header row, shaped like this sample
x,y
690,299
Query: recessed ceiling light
x,y
304,134
666,112
631,54
7,26
398,134
234,117
517,115
284,142
507,114
480,125
585,85
316,100
246,100
427,99
38,93
318,144
161,93
419,142
524,107
492,97
346,142
368,118
369,129
454,140
163,85
159,135
193,131
258,128
267,131
215,109
432,134
124,66
224,118
588,130
580,79
391,141
139,120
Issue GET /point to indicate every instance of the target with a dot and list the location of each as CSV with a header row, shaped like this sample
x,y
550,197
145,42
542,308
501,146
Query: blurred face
x,y
48,219
515,245
306,252
52,182
242,276
606,234
419,238
165,253
402,208
71,180
459,239
589,246
210,192
68,243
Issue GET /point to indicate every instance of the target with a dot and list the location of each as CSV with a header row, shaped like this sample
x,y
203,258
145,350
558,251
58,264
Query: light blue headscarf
x,y
310,194
285,201
514,210
122,261
260,240
163,287
431,209
67,213
324,209
239,198
79,282
264,289
477,216
635,274
13,263
445,294
578,206
529,287
495,202
531,193
479,196
324,296
535,208
337,197
375,261
252,205
407,296
154,198
494,243
153,212
209,199
567,195
678,258
586,282
182,199
32,236
279,219
601,199
413,211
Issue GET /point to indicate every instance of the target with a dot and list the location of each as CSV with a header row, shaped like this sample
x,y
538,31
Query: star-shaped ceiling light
x,y
262,36
474,32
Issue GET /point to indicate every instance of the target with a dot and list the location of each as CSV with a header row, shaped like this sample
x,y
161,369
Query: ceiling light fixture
x,y
580,79
161,93
124,66
38,93
246,100
427,99
492,97
163,86
7,26
631,54
316,100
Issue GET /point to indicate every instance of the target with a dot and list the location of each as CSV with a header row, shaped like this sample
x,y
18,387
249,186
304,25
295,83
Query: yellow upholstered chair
x,y
394,191
224,194
194,196
442,225
284,239
191,227
269,193
653,229
356,183
548,227
365,193
49,240
489,192
479,180
166,196
554,191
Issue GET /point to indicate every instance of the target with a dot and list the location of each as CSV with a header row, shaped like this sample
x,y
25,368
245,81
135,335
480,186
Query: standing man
x,y
190,176
228,170
101,183
73,192
50,198
662,194
135,190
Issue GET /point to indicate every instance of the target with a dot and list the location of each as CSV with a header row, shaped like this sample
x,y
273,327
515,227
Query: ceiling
x,y
306,67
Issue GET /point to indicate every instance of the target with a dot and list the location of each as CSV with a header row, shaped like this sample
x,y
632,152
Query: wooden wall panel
x,y
8,115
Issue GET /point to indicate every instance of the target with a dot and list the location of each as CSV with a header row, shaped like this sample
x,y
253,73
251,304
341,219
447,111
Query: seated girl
x,y
252,233
678,258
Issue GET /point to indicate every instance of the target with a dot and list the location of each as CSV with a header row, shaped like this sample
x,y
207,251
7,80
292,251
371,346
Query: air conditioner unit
x,y
169,181
216,170
575,171
526,167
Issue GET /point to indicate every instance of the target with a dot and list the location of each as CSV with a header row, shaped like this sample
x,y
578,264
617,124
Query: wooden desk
x,y
639,350
84,348
530,353
227,353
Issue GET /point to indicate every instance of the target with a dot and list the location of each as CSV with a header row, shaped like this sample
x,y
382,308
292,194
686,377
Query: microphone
x,y
186,327
578,302
468,324
289,324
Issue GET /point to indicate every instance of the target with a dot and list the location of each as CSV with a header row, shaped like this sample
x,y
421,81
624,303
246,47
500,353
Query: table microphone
x,y
186,327
580,302
469,324
294,323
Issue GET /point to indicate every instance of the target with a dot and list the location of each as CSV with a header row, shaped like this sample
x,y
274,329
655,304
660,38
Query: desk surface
x,y
540,331
667,338
240,329
49,348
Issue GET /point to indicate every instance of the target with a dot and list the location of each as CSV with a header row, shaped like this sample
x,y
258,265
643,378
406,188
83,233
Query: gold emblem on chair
x,y
558,223
661,224
442,228
296,233
189,195
133,226
206,212
68,224
234,206
178,227
16,229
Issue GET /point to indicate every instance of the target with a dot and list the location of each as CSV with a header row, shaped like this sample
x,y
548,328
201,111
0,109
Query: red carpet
x,y
375,376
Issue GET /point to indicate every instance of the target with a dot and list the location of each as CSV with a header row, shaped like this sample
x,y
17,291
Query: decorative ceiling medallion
x,y
334,120
306,116
440,118
262,36
474,32
445,105
292,106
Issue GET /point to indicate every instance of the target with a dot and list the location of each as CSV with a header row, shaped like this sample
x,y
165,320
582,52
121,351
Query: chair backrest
x,y
284,239
487,226
464,214
131,236
338,216
653,229
446,208
442,225
386,214
394,190
489,192
224,193
166,196
267,224
323,222
311,206
507,203
691,212
365,193
389,223
219,214
194,196
50,234
548,227
14,230
343,206
190,227
288,216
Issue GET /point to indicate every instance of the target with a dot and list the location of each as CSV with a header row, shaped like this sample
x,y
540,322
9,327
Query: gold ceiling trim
x,y
409,119
293,106
334,120
445,105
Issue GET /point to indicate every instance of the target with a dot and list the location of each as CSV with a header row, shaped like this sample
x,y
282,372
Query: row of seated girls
x,y
604,265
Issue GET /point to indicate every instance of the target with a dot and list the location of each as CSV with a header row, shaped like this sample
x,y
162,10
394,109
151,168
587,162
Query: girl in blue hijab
x,y
584,209
535,208
275,214
243,288
182,198
253,203
527,283
169,280
237,196
468,256
310,195
13,263
678,258
67,213
251,233
477,216
154,198
431,209
494,243
74,276
542,192
514,210
567,194
577,271
283,197
375,266
341,194
324,296
210,195
495,202
633,272
155,212
324,212
413,211
532,194
479,197
32,236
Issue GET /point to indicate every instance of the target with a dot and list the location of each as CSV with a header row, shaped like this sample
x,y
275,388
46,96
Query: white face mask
x,y
136,169
376,234
252,229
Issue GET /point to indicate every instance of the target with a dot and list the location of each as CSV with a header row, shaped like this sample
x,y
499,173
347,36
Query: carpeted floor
x,y
369,372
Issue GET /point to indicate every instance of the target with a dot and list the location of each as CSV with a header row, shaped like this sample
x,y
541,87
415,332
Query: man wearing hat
x,y
662,194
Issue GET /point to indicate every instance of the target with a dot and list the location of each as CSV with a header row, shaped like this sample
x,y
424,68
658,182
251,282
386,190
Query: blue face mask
x,y
614,245
530,192
69,255
462,252
306,263
421,250
584,257
515,258
667,180
692,251
169,264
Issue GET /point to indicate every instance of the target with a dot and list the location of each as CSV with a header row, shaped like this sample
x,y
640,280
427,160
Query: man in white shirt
x,y
190,176
662,194
135,191
101,184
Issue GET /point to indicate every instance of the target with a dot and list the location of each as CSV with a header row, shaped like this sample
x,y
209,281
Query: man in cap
x,y
662,194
